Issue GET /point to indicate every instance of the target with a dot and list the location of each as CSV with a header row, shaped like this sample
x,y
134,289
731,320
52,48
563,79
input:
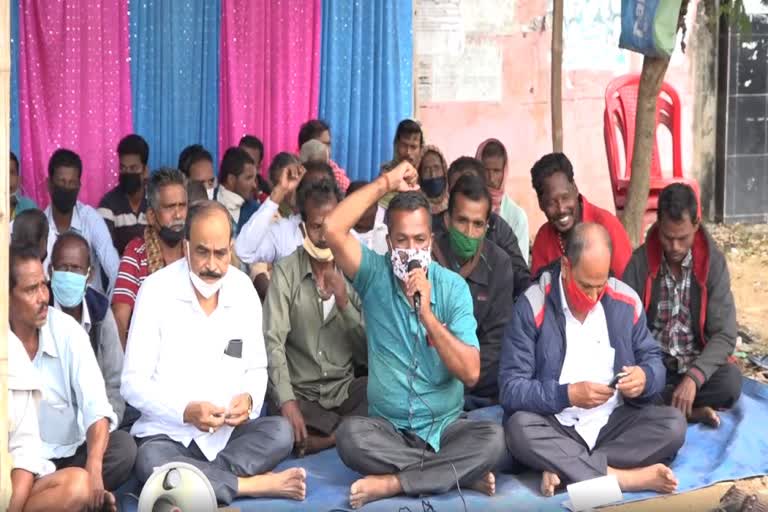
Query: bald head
x,y
209,239
588,258
206,211
591,242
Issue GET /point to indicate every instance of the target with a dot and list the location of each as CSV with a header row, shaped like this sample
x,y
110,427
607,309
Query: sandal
x,y
733,500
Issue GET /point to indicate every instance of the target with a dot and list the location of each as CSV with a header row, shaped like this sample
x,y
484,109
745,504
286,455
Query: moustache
x,y
42,309
211,274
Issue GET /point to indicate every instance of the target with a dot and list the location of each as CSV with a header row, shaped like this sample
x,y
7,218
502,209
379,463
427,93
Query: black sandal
x,y
733,500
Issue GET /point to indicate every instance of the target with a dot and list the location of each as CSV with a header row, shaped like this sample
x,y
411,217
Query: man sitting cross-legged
x,y
570,335
77,423
314,331
196,369
422,351
683,279
489,273
35,485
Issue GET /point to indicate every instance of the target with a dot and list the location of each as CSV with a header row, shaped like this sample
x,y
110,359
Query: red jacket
x,y
713,312
546,245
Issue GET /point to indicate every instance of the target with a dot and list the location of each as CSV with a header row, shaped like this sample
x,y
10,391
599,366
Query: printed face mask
x,y
401,257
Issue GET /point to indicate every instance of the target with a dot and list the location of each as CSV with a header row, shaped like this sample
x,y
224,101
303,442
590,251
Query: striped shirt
x,y
124,224
134,268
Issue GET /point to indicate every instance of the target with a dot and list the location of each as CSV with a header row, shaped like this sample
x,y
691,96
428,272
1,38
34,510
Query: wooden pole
x,y
5,137
651,78
556,93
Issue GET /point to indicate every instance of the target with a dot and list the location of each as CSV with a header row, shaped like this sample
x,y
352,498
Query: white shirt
x,y
175,354
263,240
74,393
24,390
231,201
588,357
376,238
87,222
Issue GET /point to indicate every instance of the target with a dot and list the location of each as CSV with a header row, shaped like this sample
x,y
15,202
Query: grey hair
x,y
162,178
582,236
313,151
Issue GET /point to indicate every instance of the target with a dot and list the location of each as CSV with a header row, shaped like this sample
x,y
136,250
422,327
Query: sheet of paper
x,y
438,27
476,75
495,17
593,493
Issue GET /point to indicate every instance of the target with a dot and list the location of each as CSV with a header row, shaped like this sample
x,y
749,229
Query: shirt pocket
x,y
58,420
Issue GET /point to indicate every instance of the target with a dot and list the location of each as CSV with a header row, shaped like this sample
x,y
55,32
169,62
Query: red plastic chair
x,y
619,118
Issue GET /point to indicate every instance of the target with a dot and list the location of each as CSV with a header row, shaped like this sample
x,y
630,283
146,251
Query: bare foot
x,y
486,485
657,477
110,504
372,488
705,415
549,483
291,484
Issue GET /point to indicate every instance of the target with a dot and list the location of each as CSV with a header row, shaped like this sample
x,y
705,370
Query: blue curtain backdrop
x,y
175,76
15,77
366,78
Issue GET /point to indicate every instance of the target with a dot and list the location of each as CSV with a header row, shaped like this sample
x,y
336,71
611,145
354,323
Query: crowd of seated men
x,y
230,321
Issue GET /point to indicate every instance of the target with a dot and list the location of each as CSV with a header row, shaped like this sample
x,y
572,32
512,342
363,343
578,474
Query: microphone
x,y
412,265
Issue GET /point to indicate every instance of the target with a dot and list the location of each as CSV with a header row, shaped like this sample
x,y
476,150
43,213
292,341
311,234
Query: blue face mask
x,y
68,288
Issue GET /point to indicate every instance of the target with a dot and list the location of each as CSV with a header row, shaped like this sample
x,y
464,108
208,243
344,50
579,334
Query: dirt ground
x,y
746,249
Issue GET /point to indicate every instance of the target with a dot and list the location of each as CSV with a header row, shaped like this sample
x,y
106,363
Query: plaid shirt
x,y
672,326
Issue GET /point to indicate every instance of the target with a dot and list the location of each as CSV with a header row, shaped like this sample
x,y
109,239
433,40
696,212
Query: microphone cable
x,y
426,505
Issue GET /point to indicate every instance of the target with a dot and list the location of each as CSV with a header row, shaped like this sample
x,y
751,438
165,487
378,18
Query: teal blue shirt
x,y
397,340
23,203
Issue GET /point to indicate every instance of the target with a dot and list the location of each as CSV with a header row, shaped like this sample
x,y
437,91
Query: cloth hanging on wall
x,y
366,80
270,71
75,89
175,75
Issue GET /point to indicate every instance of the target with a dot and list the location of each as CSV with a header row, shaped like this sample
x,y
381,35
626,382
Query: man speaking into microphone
x,y
419,358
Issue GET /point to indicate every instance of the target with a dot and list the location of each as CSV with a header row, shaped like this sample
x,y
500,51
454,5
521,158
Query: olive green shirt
x,y
310,357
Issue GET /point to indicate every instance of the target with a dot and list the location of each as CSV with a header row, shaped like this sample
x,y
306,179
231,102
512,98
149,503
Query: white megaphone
x,y
177,487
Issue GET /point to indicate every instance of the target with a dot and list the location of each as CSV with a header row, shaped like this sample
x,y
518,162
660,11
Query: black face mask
x,y
433,187
130,182
171,236
64,199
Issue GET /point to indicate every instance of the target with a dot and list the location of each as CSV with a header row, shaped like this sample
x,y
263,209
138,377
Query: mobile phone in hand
x,y
616,379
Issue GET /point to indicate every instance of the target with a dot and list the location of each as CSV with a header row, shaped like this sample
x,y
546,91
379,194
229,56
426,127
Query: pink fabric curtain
x,y
270,71
75,89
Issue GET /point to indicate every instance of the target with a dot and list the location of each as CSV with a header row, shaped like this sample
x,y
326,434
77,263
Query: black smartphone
x,y
234,349
616,378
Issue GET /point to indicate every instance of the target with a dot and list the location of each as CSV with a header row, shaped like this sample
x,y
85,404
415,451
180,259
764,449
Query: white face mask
x,y
204,288
401,257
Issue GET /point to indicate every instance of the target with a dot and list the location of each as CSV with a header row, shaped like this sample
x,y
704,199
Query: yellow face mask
x,y
315,252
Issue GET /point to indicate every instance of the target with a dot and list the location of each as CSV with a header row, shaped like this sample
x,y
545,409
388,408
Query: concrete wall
x,y
591,59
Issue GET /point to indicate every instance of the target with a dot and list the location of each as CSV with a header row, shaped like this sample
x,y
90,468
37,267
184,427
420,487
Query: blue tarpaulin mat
x,y
738,449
